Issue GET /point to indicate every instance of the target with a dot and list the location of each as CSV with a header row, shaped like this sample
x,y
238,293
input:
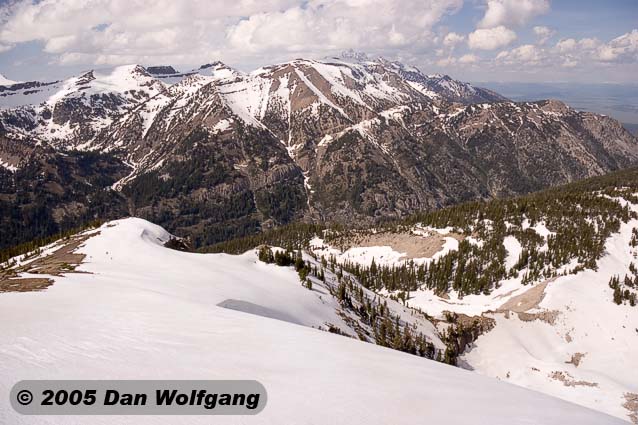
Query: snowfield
x,y
604,336
142,311
570,341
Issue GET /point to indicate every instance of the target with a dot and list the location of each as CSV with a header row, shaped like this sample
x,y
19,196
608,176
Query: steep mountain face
x,y
83,106
214,152
46,192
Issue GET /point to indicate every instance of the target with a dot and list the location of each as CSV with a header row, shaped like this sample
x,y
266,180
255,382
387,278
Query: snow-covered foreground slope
x,y
146,312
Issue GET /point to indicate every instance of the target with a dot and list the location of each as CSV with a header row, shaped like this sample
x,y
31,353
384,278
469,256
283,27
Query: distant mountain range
x,y
213,153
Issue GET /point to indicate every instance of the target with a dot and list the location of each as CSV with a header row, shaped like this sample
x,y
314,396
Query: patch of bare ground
x,y
63,260
631,404
569,380
466,329
548,316
362,334
576,358
484,324
23,284
411,245
528,300
507,294
444,295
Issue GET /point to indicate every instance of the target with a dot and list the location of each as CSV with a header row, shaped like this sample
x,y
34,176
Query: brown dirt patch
x,y
631,404
484,323
24,285
507,294
61,261
413,246
530,299
548,316
527,300
569,380
576,358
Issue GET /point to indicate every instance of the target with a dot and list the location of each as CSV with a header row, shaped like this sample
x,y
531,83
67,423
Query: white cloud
x,y
566,45
490,39
589,43
338,24
250,33
451,61
623,49
468,59
118,31
512,12
606,54
527,54
620,49
446,62
569,62
26,20
572,45
452,39
571,53
543,34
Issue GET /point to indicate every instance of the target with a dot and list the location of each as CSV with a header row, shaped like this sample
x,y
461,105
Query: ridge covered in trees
x,y
580,217
376,322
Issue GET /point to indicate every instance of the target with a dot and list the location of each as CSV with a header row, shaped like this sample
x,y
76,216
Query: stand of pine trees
x,y
625,289
33,247
388,329
580,217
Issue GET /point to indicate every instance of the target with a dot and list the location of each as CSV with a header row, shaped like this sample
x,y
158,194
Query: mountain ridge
x,y
341,139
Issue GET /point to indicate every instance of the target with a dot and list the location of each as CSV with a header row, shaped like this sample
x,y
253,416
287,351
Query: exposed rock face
x,y
161,70
217,153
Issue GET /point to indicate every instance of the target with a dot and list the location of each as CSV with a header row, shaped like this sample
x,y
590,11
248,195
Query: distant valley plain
x,y
619,101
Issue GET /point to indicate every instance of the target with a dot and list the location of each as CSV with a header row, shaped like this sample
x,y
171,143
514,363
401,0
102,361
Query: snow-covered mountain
x,y
348,139
4,81
74,111
134,309
261,95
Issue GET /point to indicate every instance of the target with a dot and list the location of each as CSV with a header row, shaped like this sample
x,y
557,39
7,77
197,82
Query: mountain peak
x,y
4,81
214,64
137,69
217,69
354,55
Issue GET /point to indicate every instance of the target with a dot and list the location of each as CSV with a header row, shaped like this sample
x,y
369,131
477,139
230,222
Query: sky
x,y
581,41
